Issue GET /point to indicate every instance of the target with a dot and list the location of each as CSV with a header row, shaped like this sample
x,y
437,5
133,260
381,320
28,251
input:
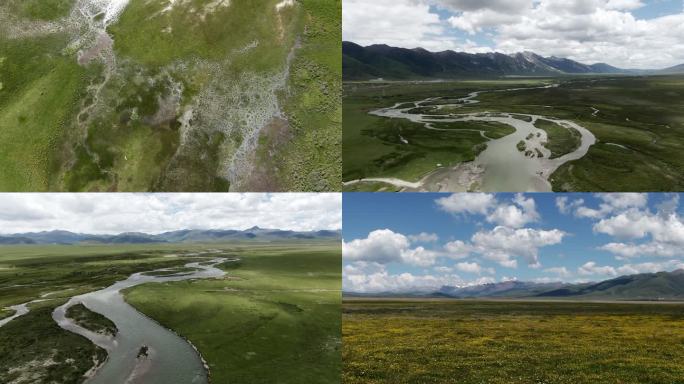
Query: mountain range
x,y
645,286
181,236
383,61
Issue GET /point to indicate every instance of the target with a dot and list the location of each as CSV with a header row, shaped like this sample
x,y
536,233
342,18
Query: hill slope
x,y
645,286
672,70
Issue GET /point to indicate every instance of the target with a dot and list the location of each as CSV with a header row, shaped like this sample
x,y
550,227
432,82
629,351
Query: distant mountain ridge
x,y
180,236
644,286
383,61
673,70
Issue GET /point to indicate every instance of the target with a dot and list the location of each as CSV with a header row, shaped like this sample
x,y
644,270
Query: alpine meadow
x,y
221,95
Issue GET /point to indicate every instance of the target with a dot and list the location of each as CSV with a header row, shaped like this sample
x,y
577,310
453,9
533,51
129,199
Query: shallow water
x,y
19,310
500,167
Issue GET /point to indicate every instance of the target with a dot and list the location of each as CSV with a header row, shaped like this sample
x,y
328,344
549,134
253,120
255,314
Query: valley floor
x,y
274,315
636,121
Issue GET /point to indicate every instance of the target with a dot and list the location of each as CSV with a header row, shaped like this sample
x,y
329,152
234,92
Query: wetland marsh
x,y
433,135
164,313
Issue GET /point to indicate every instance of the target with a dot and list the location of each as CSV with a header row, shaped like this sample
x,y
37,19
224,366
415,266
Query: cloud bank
x,y
155,213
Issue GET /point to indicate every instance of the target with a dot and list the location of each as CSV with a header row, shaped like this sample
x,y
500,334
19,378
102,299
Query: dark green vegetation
x,y
36,350
5,313
521,145
181,270
561,140
422,152
639,126
91,320
491,129
205,96
274,318
644,286
522,117
40,9
511,342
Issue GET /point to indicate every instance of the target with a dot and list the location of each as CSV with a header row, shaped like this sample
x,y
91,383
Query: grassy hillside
x,y
646,286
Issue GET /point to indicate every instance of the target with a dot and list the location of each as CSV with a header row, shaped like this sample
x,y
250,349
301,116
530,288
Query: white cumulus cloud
x,y
559,271
470,203
591,268
110,213
473,268
368,277
424,237
521,212
384,246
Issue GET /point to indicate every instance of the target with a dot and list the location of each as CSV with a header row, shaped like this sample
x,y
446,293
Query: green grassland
x,y
274,318
313,159
91,320
38,97
5,313
639,126
560,140
40,9
371,187
36,350
115,124
425,150
511,342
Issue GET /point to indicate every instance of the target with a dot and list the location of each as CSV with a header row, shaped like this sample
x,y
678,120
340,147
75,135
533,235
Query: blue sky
x,y
624,33
479,238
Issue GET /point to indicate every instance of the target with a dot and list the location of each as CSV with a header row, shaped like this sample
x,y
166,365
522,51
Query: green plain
x,y
274,318
507,342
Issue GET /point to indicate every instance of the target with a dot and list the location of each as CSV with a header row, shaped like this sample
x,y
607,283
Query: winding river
x,y
500,167
170,358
